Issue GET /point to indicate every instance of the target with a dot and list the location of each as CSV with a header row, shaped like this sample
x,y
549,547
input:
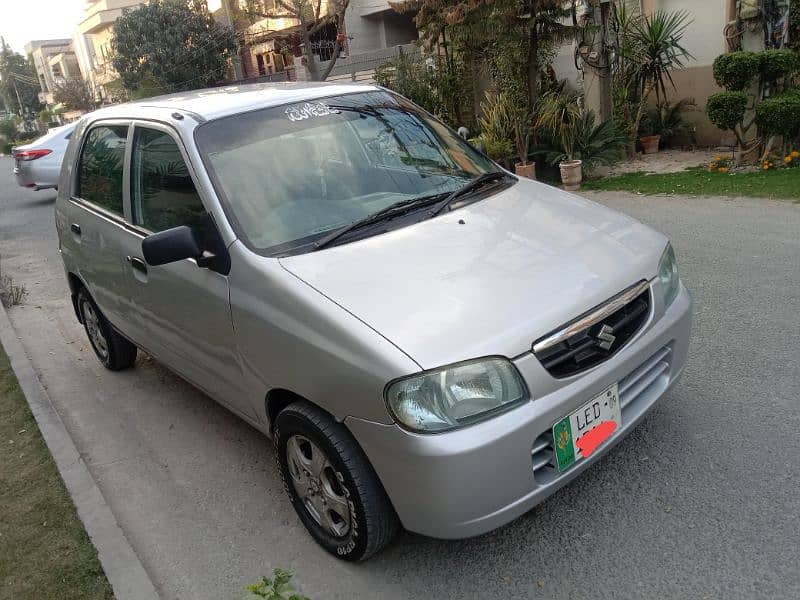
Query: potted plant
x,y
560,114
666,120
522,138
648,138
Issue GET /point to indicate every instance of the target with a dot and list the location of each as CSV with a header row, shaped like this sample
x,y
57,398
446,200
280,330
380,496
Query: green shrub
x,y
437,85
736,70
594,144
726,109
666,120
277,588
779,115
776,64
8,128
497,125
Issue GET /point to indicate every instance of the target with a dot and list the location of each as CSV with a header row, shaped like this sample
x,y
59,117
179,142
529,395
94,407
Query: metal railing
x,y
361,67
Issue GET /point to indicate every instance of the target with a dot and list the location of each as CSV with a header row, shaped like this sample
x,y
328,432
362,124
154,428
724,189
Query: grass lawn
x,y
45,553
781,183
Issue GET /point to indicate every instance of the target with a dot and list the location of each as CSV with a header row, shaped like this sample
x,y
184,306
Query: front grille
x,y
637,391
574,347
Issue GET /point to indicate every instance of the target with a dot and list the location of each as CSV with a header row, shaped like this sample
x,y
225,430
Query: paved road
x,y
701,501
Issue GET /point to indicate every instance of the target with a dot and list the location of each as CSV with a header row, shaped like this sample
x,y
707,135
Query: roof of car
x,y
214,103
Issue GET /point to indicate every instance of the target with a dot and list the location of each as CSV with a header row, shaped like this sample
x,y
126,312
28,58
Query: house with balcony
x,y
93,42
55,62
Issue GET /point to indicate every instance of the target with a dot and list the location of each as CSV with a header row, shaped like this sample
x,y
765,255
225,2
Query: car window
x,y
289,175
102,159
162,191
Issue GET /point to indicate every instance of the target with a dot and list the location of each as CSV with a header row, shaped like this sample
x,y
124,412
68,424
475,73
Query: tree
x,y
517,39
19,85
649,49
172,45
74,94
312,20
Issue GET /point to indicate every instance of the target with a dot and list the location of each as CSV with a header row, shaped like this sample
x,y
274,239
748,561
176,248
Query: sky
x,y
24,20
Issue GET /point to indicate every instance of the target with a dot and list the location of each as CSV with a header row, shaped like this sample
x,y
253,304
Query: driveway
x,y
702,500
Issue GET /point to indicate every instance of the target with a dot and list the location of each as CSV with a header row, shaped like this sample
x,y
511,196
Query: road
x,y
701,501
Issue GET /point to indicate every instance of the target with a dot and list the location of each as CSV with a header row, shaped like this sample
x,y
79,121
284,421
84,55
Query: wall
x,y
372,25
704,40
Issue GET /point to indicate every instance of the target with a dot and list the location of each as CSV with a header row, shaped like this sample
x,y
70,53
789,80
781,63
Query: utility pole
x,y
19,100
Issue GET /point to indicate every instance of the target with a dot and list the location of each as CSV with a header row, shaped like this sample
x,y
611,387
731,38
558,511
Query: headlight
x,y
668,275
456,395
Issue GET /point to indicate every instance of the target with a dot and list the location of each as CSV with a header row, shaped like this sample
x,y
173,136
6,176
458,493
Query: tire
x,y
114,351
307,438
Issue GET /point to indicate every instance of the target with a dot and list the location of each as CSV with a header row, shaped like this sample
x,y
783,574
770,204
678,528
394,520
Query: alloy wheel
x,y
319,486
92,322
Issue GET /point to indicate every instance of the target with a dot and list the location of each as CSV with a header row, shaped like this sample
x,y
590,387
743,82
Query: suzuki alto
x,y
430,341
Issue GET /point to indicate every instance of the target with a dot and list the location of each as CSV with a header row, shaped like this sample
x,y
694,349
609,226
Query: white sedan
x,y
38,165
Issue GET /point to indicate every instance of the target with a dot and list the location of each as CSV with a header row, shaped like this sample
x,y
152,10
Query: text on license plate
x,y
581,432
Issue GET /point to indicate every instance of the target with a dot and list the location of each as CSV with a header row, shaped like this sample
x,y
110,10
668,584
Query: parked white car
x,y
37,165
430,341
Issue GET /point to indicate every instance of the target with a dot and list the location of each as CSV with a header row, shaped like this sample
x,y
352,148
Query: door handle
x,y
75,228
137,263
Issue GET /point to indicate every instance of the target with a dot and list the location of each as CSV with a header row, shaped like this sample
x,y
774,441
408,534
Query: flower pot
x,y
571,174
526,169
650,143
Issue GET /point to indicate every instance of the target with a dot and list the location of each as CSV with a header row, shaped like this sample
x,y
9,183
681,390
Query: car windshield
x,y
290,175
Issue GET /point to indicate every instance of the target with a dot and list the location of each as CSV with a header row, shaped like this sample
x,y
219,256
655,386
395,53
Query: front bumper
x,y
467,482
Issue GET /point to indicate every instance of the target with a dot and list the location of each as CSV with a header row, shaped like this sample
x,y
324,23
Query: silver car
x,y
37,165
430,341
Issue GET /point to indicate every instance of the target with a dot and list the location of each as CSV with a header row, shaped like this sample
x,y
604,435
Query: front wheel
x,y
331,484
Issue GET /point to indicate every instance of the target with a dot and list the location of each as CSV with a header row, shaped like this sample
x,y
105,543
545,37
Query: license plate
x,y
580,433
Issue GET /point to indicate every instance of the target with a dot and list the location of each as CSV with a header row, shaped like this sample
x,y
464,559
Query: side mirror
x,y
463,132
170,246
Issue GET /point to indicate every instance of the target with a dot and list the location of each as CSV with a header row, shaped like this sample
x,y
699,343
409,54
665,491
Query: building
x,y
373,25
93,43
55,62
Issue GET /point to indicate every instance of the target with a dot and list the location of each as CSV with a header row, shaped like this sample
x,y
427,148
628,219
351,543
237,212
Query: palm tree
x,y
649,50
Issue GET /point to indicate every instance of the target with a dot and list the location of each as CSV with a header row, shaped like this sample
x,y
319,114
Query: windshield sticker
x,y
308,110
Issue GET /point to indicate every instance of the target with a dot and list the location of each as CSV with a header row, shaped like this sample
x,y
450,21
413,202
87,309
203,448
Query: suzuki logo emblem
x,y
605,337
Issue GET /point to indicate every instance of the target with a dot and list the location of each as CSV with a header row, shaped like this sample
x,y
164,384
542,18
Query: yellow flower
x,y
719,156
788,159
795,154
766,166
723,169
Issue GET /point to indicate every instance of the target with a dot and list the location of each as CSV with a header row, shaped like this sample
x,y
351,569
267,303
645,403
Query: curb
x,y
121,565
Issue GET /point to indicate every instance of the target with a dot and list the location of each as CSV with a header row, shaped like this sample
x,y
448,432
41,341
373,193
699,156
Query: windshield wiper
x,y
468,187
390,211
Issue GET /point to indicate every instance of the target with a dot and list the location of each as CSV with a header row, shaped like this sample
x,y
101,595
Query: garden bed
x,y
698,181
44,550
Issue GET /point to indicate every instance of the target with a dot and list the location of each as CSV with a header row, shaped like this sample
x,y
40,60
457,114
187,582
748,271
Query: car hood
x,y
488,278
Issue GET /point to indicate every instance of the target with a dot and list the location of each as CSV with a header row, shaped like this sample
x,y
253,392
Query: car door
x,y
184,309
96,222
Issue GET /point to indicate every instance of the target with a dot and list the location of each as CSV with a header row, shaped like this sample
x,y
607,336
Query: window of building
x,y
100,171
162,191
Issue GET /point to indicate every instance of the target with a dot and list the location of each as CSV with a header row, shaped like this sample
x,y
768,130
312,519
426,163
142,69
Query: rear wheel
x,y
331,484
113,350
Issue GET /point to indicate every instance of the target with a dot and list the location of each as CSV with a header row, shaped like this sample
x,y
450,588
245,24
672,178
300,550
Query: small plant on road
x,y
277,588
11,294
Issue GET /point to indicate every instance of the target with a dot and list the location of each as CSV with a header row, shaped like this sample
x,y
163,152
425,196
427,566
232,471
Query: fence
x,y
361,67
